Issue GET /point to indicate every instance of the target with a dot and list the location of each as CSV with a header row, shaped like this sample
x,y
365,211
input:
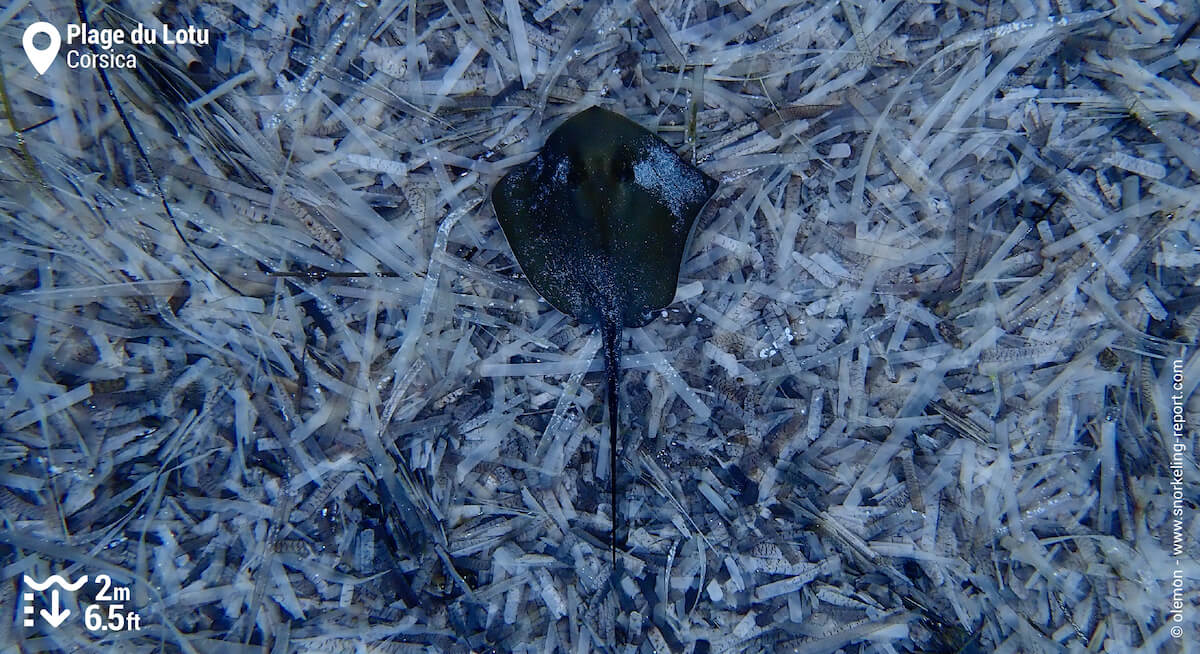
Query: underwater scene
x,y
633,326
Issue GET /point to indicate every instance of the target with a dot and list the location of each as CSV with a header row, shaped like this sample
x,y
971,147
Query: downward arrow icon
x,y
54,616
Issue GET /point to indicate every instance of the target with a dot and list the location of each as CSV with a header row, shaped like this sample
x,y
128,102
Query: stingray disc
x,y
600,218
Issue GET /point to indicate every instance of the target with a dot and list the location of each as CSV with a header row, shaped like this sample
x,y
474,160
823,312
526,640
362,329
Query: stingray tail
x,y
612,368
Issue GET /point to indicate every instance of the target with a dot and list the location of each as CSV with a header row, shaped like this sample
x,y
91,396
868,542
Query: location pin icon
x,y
41,58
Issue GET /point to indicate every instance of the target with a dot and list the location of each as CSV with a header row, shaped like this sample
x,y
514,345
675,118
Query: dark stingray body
x,y
600,218
599,221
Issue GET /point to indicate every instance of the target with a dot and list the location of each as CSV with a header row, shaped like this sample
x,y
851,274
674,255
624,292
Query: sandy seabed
x,y
267,361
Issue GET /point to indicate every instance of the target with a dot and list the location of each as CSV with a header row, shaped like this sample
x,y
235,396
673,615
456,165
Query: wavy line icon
x,y
55,579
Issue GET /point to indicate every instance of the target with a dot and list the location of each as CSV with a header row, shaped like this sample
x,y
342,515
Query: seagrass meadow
x,y
927,384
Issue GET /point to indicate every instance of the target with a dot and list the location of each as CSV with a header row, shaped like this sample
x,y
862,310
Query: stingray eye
x,y
576,171
621,167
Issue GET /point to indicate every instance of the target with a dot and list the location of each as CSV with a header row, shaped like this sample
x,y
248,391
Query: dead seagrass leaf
x,y
599,221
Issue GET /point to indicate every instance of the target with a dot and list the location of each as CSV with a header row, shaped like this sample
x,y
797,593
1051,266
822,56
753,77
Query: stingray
x,y
599,221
